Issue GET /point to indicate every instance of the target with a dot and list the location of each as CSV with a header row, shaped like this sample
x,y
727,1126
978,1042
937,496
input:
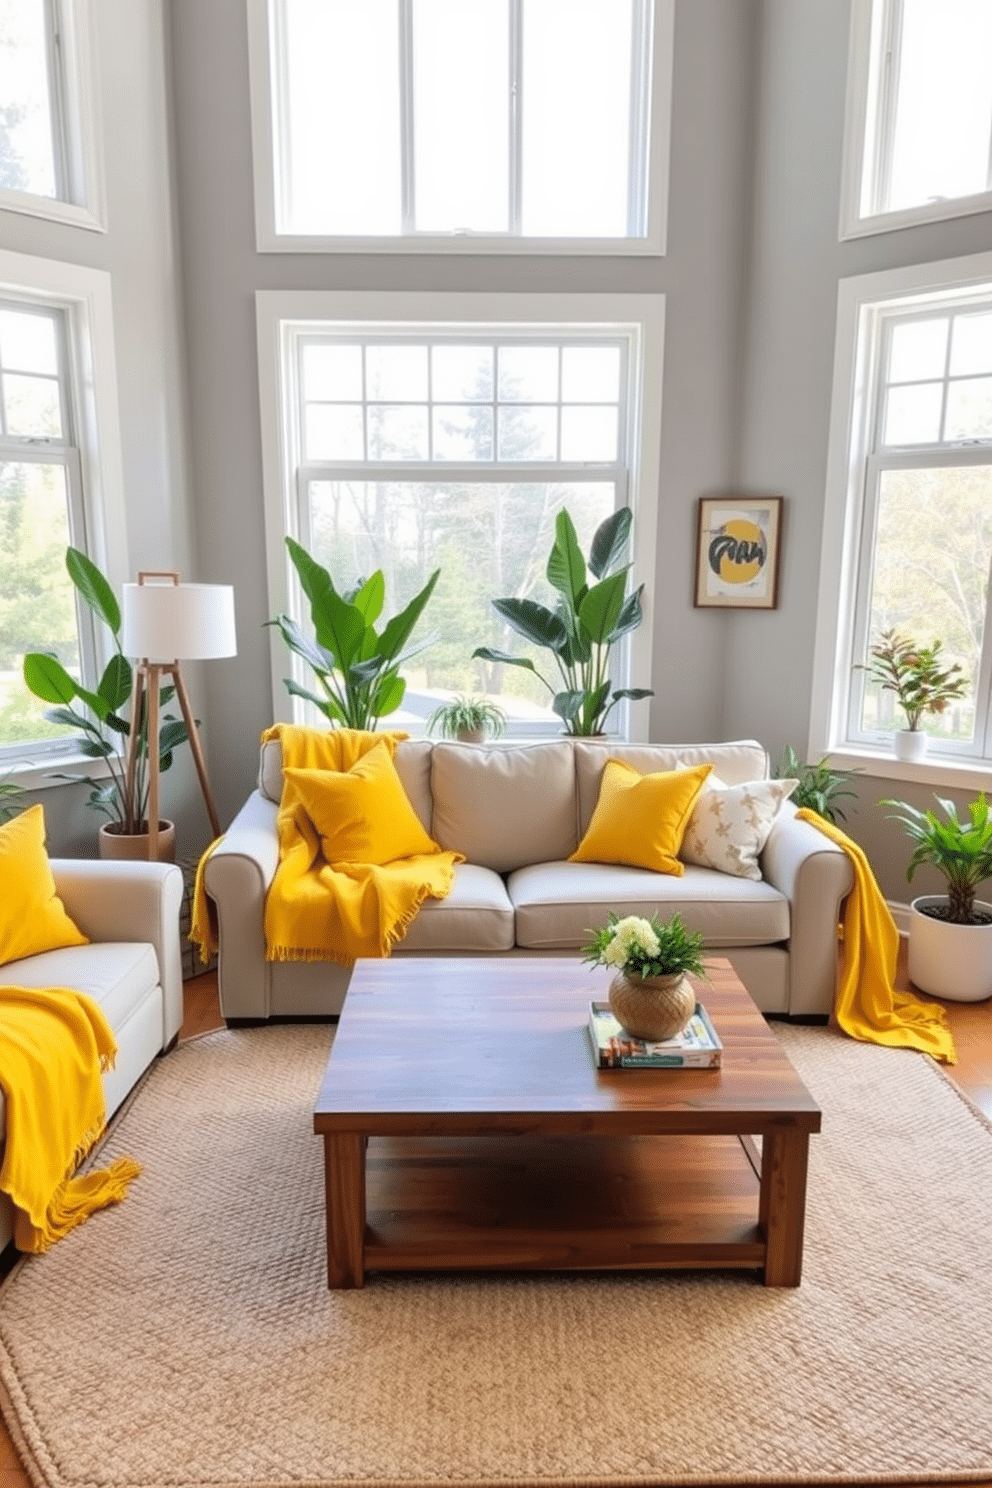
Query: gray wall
x,y
795,263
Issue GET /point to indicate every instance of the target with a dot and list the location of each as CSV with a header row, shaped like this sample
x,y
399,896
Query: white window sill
x,y
37,774
934,769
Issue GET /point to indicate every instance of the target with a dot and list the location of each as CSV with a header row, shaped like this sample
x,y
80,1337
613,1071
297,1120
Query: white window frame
x,y
656,136
76,126
284,316
84,297
867,133
862,304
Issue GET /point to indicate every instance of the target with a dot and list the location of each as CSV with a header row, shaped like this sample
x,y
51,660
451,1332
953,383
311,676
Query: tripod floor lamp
x,y
164,622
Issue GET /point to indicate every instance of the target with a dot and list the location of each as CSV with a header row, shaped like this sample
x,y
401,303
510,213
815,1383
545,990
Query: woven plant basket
x,y
652,1008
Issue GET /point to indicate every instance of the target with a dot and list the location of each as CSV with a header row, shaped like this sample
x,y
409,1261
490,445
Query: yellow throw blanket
x,y
54,1043
320,911
203,930
868,1006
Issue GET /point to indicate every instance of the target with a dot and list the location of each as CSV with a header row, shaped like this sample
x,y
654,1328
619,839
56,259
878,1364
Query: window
x,y
49,163
408,445
908,528
919,112
434,125
59,481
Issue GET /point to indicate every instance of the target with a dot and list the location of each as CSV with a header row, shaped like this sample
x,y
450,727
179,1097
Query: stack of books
x,y
696,1047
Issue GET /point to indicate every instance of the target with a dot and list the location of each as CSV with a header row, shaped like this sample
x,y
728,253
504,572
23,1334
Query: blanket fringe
x,y
74,1201
391,938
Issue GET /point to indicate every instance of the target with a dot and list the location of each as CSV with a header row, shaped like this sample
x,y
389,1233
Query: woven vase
x,y
652,1008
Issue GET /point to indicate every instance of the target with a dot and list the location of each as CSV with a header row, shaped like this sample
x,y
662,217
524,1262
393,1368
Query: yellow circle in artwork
x,y
738,551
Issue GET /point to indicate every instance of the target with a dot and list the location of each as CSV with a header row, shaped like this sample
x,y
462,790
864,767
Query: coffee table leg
x,y
782,1206
344,1194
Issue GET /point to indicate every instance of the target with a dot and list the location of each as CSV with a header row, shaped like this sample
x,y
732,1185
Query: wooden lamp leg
x,y
194,744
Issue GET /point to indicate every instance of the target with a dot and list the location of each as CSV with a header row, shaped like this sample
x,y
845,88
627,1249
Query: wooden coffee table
x,y
466,1126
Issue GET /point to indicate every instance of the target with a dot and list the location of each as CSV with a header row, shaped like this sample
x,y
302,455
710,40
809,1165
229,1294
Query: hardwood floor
x,y
971,1024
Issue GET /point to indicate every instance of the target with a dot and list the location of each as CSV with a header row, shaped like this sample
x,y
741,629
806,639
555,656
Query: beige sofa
x,y
517,813
132,966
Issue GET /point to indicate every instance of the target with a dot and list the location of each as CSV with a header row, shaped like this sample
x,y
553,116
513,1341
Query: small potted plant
x,y
650,995
470,720
819,789
950,935
922,681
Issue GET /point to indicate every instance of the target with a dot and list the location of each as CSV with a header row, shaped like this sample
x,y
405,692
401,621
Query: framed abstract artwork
x,y
737,552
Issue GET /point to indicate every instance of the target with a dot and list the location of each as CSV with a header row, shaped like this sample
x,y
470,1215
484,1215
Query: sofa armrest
x,y
816,876
130,900
237,877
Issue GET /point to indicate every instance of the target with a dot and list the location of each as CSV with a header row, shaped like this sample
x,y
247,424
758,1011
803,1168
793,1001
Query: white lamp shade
x,y
178,622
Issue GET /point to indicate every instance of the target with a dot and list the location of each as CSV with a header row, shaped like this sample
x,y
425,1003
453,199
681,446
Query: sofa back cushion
x,y
413,765
735,762
505,808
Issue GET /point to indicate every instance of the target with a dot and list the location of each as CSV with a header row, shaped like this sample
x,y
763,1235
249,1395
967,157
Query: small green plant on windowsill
x,y
921,679
11,799
819,788
470,719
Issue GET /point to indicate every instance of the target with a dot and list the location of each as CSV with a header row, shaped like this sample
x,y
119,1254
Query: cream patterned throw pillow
x,y
730,824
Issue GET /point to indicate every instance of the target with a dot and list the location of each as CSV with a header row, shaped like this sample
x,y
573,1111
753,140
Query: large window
x,y
49,157
407,447
439,124
919,112
908,536
59,482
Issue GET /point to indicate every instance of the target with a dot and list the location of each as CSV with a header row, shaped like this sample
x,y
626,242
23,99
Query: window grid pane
x,y
33,392
37,609
426,400
439,118
28,153
933,547
934,391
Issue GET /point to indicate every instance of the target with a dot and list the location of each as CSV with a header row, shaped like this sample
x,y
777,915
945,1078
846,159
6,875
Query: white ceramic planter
x,y
950,961
909,744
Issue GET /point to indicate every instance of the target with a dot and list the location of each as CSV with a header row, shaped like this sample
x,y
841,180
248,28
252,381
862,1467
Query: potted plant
x,y
357,668
650,994
104,725
819,788
468,719
950,935
922,681
585,624
11,799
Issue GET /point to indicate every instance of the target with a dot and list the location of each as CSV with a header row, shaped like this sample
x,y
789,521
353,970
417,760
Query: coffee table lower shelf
x,y
538,1203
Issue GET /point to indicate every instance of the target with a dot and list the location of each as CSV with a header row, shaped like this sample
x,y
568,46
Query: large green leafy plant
x,y
356,667
959,848
587,621
101,717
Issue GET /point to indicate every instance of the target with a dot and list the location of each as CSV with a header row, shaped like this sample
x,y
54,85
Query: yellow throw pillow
x,y
32,916
640,820
362,815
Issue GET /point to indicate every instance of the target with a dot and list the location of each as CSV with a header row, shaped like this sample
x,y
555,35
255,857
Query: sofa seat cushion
x,y
116,974
475,916
558,905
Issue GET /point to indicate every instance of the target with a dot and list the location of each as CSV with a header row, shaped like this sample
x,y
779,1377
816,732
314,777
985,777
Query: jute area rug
x,y
188,1336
